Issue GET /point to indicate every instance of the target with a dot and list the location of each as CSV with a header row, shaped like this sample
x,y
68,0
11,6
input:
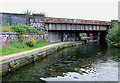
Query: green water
x,y
90,62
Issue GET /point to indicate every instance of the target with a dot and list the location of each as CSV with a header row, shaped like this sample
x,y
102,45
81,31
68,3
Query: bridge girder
x,y
76,27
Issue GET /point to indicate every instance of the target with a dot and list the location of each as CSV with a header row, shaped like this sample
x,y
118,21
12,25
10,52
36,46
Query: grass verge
x,y
19,47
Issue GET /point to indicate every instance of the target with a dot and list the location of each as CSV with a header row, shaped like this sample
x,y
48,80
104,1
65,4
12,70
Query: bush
x,y
30,42
22,29
113,36
82,34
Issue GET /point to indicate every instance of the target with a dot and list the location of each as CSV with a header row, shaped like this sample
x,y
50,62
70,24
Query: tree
x,y
113,36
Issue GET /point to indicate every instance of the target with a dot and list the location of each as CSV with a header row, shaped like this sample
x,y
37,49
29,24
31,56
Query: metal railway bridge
x,y
61,29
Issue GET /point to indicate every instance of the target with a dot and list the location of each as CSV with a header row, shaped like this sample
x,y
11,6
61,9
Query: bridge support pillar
x,y
78,36
88,34
102,36
95,36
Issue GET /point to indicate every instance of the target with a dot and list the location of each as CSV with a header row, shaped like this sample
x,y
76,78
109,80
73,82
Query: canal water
x,y
89,62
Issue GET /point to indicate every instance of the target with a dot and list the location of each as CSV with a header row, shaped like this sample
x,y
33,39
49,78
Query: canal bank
x,y
15,61
88,62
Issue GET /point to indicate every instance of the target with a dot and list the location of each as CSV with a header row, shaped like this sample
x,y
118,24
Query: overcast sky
x,y
78,9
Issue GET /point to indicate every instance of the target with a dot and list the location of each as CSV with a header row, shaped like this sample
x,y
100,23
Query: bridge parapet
x,y
75,21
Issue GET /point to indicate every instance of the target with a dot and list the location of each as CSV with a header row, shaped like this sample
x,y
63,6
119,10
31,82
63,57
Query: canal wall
x,y
12,64
7,38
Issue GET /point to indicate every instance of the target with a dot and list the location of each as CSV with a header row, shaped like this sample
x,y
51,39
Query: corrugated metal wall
x,y
12,19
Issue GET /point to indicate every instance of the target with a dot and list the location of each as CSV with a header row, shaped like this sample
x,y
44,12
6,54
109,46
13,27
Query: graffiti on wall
x,y
37,23
4,39
8,39
66,36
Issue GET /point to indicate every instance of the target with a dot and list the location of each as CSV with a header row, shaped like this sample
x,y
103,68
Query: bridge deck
x,y
75,24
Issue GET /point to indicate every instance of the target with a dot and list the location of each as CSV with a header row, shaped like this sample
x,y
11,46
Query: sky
x,y
106,10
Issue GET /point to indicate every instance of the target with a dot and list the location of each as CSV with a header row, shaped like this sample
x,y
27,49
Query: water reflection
x,y
89,62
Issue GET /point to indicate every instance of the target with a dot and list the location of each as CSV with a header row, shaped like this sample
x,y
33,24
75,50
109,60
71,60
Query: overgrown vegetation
x,y
29,12
22,29
14,63
40,14
113,36
83,36
29,57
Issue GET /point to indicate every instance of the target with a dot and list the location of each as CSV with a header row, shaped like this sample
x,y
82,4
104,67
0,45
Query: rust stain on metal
x,y
75,21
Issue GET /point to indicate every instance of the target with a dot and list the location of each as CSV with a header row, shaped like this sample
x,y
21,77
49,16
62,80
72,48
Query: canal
x,y
89,62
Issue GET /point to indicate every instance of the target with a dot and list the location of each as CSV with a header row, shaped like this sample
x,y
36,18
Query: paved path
x,y
27,52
